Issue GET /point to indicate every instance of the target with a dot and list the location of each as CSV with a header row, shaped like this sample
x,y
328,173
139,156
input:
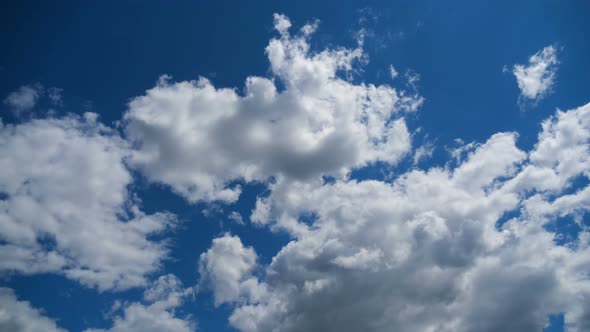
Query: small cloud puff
x,y
536,79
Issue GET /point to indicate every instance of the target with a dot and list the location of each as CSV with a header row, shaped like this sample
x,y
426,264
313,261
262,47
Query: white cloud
x,y
392,72
560,154
423,253
65,205
198,138
24,98
537,78
226,269
419,253
236,217
157,313
20,316
282,24
423,152
496,158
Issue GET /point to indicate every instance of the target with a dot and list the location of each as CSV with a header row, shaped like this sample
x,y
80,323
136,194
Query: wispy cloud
x,y
537,78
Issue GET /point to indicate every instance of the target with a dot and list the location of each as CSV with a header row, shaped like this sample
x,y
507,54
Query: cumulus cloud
x,y
198,139
537,78
20,316
226,268
157,312
429,250
24,98
425,252
66,208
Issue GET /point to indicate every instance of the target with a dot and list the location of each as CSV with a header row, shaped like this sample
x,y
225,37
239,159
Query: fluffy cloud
x,y
424,253
156,314
24,98
536,79
197,138
226,269
65,205
19,316
560,155
430,250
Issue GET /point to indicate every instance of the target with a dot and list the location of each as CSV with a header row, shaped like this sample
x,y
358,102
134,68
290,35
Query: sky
x,y
295,166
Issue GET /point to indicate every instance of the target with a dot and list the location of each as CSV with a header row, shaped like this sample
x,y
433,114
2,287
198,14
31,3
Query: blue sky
x,y
304,162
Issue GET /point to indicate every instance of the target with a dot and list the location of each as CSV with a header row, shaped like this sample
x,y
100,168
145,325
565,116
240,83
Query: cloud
x,y
55,96
536,79
423,152
236,217
199,139
156,314
20,316
392,72
66,207
24,98
430,250
424,253
226,268
27,97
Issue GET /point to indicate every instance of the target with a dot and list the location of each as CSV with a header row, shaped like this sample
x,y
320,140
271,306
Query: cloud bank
x,y
430,251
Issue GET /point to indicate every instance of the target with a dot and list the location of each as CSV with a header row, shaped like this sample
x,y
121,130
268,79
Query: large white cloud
x,y
66,208
424,253
157,312
20,316
537,78
197,138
